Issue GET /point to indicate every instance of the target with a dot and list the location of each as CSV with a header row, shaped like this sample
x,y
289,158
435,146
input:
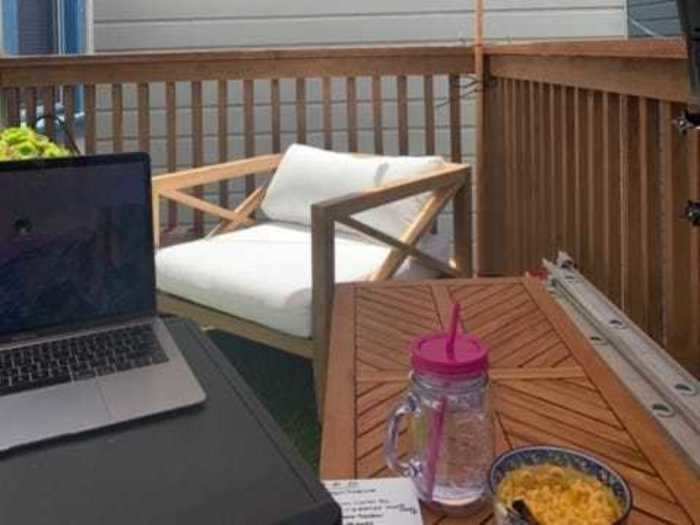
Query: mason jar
x,y
450,425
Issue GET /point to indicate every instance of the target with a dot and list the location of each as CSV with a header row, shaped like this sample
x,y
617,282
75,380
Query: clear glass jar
x,y
451,430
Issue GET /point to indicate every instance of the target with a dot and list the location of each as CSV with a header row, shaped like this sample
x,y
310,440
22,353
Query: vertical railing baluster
x,y
69,114
30,102
429,111
276,115
48,100
301,110
402,106
510,195
540,176
143,121
536,215
612,219
249,128
351,100
429,108
327,96
555,176
222,133
529,169
521,173
631,191
595,184
568,169
171,140
90,119
650,213
117,119
581,174
544,165
455,101
377,113
197,148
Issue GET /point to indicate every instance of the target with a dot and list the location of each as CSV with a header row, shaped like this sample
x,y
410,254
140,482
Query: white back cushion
x,y
309,175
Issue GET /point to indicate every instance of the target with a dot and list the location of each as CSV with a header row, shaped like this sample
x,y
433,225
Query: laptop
x,y
81,345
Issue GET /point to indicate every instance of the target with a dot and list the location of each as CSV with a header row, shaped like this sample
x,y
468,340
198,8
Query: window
x,y
652,18
47,27
43,27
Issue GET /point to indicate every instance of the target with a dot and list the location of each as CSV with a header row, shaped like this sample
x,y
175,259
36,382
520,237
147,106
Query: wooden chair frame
x,y
450,183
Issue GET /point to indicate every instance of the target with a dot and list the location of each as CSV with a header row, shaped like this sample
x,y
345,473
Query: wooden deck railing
x,y
581,155
213,78
575,143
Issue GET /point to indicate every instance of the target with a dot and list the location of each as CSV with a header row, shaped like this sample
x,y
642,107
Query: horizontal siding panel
x,y
138,10
263,119
354,30
287,92
263,142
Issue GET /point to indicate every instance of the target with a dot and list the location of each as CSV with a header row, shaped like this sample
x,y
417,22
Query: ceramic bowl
x,y
537,455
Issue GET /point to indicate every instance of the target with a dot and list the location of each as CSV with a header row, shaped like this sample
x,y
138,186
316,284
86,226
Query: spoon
x,y
524,512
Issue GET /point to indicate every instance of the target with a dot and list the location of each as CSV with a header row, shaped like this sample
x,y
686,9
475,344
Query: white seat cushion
x,y
309,175
263,273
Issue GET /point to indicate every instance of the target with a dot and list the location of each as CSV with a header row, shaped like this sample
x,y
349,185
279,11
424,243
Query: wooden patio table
x,y
548,384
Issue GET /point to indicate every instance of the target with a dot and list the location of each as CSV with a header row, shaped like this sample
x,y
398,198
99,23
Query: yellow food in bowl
x,y
560,496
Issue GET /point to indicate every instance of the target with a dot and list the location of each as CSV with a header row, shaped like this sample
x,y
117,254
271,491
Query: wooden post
x,y
462,225
677,263
490,187
322,286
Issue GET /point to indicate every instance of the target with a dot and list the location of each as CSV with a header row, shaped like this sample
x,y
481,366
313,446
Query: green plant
x,y
24,143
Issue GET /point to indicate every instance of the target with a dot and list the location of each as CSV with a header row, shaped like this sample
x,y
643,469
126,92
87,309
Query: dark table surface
x,y
223,462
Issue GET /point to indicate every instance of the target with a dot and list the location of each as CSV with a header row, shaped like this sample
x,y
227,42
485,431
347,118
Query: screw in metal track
x,y
662,410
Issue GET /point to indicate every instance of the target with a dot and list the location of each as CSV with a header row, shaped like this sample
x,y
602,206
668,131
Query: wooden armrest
x,y
446,176
169,186
215,173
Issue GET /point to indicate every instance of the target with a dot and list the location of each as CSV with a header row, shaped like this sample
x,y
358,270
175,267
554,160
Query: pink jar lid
x,y
430,356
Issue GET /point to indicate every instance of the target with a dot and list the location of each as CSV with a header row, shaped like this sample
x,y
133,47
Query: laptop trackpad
x,y
150,390
51,412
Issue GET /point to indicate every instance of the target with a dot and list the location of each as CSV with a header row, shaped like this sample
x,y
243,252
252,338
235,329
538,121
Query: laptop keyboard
x,y
78,358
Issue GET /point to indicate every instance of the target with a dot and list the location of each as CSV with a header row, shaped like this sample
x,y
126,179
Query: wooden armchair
x,y
451,182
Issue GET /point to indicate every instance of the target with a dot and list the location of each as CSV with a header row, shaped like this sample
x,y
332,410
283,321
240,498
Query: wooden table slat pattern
x,y
548,387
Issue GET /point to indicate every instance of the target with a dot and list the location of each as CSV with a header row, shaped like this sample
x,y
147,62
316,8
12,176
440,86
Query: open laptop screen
x,y
76,242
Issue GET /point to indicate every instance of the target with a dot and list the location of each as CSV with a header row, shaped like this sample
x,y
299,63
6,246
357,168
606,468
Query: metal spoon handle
x,y
524,511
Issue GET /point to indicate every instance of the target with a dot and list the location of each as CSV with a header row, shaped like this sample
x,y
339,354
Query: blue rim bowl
x,y
563,457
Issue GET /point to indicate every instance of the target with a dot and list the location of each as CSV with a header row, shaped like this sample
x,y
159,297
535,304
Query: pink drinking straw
x,y
454,325
439,416
434,447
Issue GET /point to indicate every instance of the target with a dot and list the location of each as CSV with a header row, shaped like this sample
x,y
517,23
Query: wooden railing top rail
x,y
236,64
305,62
642,68
663,48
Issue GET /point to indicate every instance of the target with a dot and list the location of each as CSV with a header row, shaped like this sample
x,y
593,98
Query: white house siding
x,y
131,25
